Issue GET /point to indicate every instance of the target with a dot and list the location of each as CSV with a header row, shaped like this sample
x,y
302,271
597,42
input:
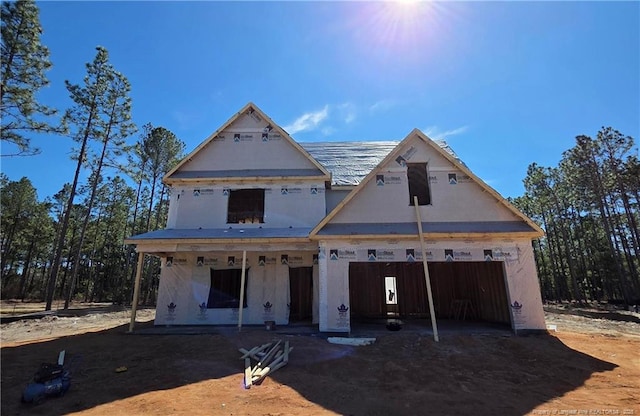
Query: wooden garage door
x,y
366,290
478,284
368,297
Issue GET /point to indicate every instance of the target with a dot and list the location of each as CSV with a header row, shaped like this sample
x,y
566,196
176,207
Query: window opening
x,y
225,288
246,206
418,183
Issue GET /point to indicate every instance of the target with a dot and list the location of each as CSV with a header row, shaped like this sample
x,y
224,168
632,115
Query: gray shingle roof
x,y
222,233
350,162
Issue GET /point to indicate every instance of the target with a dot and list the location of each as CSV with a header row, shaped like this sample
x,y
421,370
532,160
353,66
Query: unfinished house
x,y
263,229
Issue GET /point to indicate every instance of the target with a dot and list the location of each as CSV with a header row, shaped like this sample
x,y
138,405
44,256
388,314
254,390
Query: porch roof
x,y
248,173
452,229
230,233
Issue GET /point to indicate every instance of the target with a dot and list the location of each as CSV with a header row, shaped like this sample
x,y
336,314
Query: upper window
x,y
418,183
246,206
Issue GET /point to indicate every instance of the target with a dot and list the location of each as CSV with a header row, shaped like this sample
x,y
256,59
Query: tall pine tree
x,y
114,128
23,65
91,118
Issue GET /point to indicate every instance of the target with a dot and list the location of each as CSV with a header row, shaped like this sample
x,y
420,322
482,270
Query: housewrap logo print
x,y
202,313
171,312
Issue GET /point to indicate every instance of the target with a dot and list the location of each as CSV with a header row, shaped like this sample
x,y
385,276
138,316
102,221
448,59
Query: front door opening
x,y
301,290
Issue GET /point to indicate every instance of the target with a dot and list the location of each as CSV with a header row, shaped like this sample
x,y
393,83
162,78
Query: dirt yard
x,y
590,366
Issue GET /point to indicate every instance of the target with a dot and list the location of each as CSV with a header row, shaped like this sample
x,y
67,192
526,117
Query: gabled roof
x,y
350,162
320,174
447,154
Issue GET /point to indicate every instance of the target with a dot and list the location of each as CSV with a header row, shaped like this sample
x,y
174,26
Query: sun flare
x,y
401,21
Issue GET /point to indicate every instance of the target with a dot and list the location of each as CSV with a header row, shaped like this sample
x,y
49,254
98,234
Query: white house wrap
x,y
322,252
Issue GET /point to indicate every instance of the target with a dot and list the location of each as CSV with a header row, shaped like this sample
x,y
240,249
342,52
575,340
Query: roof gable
x,y
248,146
349,162
360,207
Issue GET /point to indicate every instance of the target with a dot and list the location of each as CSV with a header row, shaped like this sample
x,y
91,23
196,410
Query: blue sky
x,y
505,83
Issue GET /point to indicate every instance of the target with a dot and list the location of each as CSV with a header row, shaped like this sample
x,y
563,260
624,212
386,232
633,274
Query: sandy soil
x,y
589,366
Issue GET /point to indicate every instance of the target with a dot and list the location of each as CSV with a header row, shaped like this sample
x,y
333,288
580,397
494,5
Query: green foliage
x,y
81,242
23,65
588,207
155,154
102,114
26,230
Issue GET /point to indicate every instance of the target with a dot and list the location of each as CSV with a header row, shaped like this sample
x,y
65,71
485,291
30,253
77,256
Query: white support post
x,y
136,291
242,284
426,271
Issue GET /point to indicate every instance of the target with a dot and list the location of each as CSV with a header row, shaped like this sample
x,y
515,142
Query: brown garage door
x,y
461,290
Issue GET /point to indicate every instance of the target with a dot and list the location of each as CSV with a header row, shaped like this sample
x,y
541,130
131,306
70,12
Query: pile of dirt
x,y
589,365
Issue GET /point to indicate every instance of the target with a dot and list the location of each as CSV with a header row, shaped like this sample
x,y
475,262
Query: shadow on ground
x,y
70,312
603,314
404,372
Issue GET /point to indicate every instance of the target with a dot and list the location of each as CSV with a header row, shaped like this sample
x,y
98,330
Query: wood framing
x,y
251,204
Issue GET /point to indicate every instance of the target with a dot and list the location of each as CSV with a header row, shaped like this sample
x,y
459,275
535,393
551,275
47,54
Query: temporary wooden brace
x,y
136,291
242,282
426,271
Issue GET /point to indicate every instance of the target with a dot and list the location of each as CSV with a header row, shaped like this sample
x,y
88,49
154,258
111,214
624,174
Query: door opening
x,y
391,295
301,290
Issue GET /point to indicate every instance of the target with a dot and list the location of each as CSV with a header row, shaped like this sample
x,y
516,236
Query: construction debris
x,y
268,357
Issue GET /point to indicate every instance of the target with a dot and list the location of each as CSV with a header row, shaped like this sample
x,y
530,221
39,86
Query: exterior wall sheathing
x,y
522,288
185,282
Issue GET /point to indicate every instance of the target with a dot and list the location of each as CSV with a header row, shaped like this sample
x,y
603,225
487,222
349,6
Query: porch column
x,y
242,284
136,291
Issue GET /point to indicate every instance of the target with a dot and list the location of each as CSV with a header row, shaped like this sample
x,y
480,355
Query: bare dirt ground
x,y
589,366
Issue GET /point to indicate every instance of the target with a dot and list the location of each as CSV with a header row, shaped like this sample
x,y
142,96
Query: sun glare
x,y
406,2
402,20
405,8
390,32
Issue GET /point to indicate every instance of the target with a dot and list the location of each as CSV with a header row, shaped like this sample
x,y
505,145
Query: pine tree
x,y
93,100
114,128
23,65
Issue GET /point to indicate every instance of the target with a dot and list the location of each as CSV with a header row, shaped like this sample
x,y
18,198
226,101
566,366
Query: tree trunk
x,y
85,223
65,221
25,269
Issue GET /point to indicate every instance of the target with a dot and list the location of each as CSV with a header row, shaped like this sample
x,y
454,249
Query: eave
x,y
218,241
245,179
428,236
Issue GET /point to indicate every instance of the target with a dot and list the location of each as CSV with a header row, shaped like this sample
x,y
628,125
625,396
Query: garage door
x,y
461,290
